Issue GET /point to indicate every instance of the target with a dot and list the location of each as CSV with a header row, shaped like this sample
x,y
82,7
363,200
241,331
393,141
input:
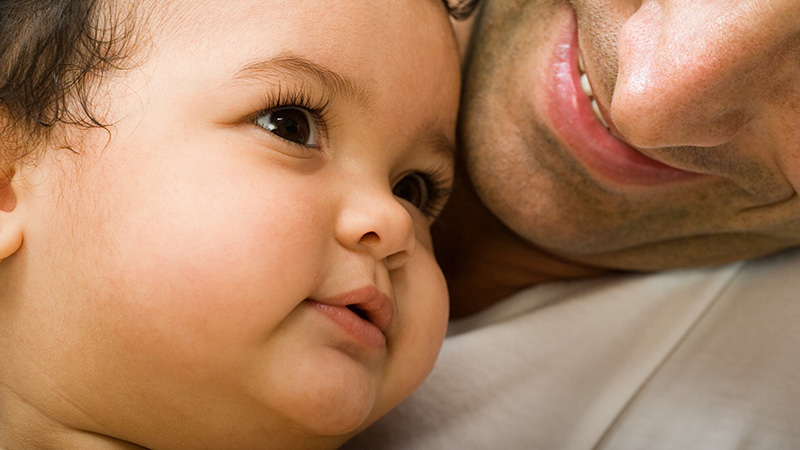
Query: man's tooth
x,y
587,89
585,86
596,110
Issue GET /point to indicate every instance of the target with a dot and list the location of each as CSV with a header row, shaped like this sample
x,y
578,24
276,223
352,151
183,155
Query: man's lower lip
x,y
362,331
575,125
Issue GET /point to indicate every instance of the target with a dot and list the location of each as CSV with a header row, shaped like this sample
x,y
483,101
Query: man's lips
x,y
569,109
365,313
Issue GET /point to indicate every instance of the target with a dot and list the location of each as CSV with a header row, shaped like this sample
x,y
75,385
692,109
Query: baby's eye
x,y
413,188
292,123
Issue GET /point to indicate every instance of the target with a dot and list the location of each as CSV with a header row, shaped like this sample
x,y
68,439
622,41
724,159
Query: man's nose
x,y
695,72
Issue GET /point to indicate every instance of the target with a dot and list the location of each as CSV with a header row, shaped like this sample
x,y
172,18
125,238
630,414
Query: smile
x,y
576,120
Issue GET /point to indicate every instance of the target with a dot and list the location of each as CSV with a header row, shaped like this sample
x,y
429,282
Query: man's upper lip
x,y
369,302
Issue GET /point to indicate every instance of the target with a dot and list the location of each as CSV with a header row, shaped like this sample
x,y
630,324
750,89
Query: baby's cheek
x,y
424,305
422,230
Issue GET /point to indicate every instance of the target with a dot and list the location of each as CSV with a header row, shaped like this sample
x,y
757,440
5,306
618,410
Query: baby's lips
x,y
368,302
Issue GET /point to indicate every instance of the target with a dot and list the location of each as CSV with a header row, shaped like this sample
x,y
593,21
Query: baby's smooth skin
x,y
194,275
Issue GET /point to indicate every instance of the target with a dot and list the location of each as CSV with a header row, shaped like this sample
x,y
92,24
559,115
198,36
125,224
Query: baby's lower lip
x,y
361,330
574,123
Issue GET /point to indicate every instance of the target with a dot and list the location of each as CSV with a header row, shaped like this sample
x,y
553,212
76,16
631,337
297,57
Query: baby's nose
x,y
376,222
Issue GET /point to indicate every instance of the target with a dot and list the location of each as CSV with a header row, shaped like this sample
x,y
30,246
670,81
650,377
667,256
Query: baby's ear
x,y
10,220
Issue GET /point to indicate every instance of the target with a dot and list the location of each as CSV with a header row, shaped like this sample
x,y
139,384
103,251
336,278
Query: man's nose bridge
x,y
697,72
730,49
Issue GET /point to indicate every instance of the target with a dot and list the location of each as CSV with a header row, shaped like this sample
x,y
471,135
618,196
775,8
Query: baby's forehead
x,y
328,30
187,17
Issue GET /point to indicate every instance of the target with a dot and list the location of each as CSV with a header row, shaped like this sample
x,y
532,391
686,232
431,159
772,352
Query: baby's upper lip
x,y
369,302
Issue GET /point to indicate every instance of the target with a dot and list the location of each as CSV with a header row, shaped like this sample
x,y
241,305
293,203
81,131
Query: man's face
x,y
700,159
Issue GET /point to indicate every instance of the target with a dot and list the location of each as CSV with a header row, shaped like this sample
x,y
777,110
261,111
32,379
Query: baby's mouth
x,y
586,87
368,303
359,312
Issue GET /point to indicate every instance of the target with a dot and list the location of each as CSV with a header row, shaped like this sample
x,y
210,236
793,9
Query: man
x,y
609,136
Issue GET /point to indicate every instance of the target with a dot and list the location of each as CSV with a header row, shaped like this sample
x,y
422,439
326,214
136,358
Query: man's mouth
x,y
577,120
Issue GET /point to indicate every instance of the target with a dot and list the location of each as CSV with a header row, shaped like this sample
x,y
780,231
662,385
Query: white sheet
x,y
691,359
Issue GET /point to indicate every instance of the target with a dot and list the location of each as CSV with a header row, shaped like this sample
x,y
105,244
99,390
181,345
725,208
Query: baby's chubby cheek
x,y
424,305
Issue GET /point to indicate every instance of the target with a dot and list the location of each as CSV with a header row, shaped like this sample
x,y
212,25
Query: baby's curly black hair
x,y
49,50
52,52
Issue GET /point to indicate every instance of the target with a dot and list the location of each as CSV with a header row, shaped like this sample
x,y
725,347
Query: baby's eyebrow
x,y
283,64
436,138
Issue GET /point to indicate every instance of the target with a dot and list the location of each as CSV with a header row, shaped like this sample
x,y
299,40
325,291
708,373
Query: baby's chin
x,y
340,424
328,403
334,430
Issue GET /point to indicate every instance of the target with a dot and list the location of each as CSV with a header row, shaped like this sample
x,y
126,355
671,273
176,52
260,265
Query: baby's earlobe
x,y
10,222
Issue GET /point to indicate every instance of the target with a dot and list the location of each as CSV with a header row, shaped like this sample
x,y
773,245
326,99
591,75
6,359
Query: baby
x,y
214,218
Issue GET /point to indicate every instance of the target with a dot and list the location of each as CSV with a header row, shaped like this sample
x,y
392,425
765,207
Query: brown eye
x,y
413,188
291,123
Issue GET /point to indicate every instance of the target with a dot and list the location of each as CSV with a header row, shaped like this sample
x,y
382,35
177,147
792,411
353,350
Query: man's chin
x,y
703,251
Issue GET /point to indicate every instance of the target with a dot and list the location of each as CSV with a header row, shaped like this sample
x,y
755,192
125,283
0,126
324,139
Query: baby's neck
x,y
25,426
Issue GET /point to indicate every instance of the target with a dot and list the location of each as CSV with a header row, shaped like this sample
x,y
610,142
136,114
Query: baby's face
x,y
245,260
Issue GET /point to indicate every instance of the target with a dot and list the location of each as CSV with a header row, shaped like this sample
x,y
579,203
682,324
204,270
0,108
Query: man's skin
x,y
700,166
